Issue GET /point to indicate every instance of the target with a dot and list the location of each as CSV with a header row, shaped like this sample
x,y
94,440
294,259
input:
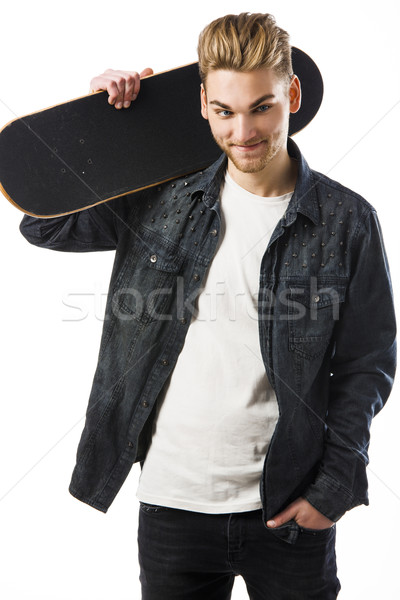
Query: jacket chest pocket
x,y
312,314
146,286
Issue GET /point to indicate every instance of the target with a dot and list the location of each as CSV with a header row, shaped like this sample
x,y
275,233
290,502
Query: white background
x,y
52,546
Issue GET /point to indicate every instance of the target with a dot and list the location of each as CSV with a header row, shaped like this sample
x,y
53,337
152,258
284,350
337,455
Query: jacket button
x,y
145,404
153,258
183,321
213,232
196,277
316,298
130,445
164,362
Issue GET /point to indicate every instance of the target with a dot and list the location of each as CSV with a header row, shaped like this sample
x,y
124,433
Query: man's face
x,y
249,114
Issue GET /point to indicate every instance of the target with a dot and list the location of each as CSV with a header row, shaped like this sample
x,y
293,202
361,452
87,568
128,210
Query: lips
x,y
249,147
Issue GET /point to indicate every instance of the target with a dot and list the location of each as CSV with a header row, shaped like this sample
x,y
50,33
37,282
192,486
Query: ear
x,y
295,94
203,100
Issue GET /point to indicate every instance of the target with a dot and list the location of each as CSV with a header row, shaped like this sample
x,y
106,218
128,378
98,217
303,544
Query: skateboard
x,y
83,152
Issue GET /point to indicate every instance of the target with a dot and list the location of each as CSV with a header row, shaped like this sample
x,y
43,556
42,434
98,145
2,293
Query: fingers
x,y
283,517
303,513
146,72
122,86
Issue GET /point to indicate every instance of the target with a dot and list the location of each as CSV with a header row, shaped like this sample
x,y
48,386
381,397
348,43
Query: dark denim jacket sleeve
x,y
96,228
362,375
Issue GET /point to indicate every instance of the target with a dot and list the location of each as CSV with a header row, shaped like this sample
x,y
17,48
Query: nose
x,y
245,130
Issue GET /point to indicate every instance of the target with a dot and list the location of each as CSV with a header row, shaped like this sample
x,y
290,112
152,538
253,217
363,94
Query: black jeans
x,y
194,556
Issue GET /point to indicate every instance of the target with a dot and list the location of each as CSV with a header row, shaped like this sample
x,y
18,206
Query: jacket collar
x,y
304,199
211,179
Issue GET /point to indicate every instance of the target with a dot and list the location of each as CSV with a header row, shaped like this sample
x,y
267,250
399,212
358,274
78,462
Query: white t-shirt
x,y
216,419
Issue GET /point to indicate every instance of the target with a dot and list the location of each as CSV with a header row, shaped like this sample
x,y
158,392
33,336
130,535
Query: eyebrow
x,y
253,105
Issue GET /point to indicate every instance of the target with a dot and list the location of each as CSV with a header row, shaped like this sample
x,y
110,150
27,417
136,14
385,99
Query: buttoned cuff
x,y
331,498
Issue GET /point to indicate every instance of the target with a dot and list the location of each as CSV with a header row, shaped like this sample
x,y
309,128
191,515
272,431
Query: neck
x,y
278,177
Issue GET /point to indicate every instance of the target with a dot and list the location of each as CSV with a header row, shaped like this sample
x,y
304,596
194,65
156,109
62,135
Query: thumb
x,y
146,72
282,517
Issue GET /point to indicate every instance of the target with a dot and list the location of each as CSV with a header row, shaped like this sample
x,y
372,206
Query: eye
x,y
224,113
262,108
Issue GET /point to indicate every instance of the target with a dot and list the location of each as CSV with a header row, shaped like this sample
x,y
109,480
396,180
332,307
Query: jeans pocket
x,y
316,532
152,509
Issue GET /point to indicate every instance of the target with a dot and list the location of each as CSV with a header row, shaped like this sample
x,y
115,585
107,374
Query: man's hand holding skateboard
x,y
81,153
122,86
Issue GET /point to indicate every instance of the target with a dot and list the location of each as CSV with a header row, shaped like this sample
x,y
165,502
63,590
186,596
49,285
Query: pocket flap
x,y
159,253
317,297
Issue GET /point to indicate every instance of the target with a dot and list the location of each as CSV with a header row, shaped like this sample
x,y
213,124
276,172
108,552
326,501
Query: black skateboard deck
x,y
78,154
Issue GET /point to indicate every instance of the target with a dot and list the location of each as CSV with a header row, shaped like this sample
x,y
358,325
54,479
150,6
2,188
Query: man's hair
x,y
245,42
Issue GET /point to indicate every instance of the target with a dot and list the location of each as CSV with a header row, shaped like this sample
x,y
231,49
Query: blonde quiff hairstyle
x,y
244,43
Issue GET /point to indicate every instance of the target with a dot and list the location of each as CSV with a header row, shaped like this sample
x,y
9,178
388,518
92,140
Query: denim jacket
x,y
326,330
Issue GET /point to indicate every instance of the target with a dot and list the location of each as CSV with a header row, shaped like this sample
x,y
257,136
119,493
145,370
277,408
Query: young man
x,y
249,339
